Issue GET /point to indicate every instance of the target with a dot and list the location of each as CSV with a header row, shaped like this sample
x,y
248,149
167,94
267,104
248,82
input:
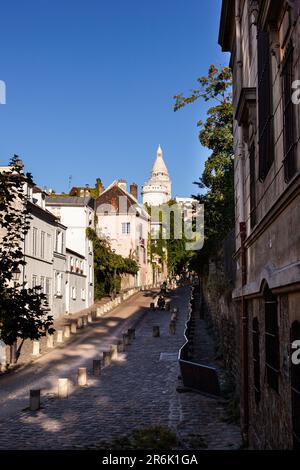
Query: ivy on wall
x,y
108,266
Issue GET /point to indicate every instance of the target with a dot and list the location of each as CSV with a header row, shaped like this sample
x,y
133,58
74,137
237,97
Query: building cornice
x,y
286,278
75,253
227,25
39,259
59,255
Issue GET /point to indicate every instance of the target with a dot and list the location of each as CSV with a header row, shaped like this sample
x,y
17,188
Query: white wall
x,y
78,281
77,219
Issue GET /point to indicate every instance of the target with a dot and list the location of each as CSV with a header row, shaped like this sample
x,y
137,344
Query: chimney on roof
x,y
122,184
134,190
99,186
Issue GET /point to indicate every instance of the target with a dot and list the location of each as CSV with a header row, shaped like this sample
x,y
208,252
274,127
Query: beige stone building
x,y
263,39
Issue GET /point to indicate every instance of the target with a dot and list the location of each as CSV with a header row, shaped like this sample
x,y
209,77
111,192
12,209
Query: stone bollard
x,y
73,328
152,306
155,331
63,388
67,331
125,339
50,341
79,322
172,327
85,320
131,333
34,400
106,358
90,318
35,348
114,352
96,367
120,346
59,338
81,377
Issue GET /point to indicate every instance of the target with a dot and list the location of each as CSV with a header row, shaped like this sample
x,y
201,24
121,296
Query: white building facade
x,y
76,282
45,253
77,214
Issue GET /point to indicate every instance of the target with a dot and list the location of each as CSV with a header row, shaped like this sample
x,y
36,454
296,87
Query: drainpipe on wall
x,y
242,228
244,340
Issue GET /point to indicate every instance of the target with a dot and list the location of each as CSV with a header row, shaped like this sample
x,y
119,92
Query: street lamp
x,y
16,275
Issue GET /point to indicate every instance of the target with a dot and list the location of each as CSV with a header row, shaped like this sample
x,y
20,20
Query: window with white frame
x,y
59,242
58,283
43,284
74,293
49,246
82,294
42,245
48,288
34,281
71,263
34,241
77,265
62,242
125,228
81,267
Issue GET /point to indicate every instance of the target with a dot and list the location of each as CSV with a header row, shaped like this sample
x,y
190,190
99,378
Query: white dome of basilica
x,y
157,190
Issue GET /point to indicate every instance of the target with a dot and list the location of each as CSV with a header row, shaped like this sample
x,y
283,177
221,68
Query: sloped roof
x,y
70,201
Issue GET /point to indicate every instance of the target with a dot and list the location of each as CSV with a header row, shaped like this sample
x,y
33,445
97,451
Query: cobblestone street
x,y
137,391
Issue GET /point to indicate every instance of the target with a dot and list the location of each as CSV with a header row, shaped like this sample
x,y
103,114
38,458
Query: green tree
x,y
108,266
23,312
178,256
216,134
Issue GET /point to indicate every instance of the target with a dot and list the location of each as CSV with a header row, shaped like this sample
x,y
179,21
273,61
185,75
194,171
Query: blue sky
x,y
90,86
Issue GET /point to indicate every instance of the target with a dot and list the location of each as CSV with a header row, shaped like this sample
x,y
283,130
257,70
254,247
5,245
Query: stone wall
x,y
223,315
128,281
270,418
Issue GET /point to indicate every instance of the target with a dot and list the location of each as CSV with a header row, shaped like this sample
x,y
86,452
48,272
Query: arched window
x,y
272,339
295,384
256,359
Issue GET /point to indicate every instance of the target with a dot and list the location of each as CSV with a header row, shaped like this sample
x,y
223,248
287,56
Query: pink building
x,y
125,224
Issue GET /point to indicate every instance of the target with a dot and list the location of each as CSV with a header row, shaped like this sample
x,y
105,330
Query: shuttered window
x,y
256,359
288,115
295,384
265,106
252,186
272,339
